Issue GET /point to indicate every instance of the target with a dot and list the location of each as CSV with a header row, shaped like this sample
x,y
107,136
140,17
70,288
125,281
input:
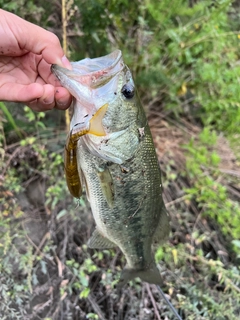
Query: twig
x,y
141,314
65,46
65,242
16,151
234,191
230,172
96,307
174,311
121,306
110,307
114,260
153,301
39,247
178,200
60,266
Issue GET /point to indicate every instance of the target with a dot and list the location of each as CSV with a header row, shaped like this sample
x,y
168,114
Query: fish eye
x,y
128,91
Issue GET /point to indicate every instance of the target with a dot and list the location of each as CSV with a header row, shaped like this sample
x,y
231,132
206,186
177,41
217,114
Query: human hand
x,y
27,52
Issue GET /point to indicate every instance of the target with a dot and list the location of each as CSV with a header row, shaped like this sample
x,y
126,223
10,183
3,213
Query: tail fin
x,y
150,275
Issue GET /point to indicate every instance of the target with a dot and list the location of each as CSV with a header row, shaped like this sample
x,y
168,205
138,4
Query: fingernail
x,y
64,103
48,100
66,63
62,106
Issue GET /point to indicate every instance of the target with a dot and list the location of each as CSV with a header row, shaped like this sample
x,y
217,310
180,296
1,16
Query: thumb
x,y
32,38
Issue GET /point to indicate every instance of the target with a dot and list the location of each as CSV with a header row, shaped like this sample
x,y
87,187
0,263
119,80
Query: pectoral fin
x,y
107,186
97,241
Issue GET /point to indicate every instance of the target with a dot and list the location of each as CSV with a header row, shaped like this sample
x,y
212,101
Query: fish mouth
x,y
92,73
92,82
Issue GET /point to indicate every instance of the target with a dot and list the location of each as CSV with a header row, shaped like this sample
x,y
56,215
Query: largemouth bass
x,y
110,151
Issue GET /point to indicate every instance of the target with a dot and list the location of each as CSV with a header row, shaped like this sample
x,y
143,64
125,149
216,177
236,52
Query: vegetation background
x,y
185,57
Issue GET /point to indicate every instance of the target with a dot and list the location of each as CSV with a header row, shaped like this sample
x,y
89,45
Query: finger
x,y
20,92
63,98
29,37
39,107
46,101
33,105
46,74
41,41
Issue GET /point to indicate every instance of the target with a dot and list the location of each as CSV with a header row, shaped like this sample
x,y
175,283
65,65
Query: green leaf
x,y
10,119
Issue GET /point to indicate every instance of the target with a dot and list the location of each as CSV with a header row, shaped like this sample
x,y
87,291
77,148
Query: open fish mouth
x,y
89,73
92,82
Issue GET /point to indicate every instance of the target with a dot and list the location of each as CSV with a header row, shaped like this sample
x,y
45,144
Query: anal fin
x,y
97,241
